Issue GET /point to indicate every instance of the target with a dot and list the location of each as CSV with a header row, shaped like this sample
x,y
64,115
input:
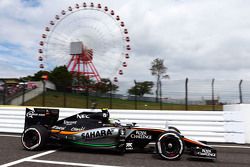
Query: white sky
x,y
199,39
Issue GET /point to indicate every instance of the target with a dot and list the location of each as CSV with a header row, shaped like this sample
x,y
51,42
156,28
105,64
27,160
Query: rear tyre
x,y
170,146
35,137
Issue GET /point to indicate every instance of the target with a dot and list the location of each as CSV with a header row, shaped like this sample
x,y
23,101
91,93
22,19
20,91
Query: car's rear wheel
x,y
34,137
170,146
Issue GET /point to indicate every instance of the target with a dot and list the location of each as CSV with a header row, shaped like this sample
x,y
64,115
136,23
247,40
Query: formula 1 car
x,y
96,130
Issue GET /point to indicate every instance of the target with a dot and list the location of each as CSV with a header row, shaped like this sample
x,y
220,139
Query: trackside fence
x,y
216,126
184,94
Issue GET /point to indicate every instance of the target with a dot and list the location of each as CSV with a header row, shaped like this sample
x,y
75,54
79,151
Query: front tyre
x,y
171,128
34,137
170,146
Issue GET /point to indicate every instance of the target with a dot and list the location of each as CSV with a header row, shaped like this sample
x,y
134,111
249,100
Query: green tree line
x,y
63,79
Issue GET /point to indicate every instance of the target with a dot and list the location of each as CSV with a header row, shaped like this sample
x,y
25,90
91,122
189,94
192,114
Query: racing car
x,y
94,129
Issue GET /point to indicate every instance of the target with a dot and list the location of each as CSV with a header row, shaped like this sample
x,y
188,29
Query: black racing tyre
x,y
35,137
170,146
174,129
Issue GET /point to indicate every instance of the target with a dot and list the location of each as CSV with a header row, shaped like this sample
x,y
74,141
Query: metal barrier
x,y
213,126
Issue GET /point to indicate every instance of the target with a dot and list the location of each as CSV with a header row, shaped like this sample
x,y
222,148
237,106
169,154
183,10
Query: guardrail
x,y
213,126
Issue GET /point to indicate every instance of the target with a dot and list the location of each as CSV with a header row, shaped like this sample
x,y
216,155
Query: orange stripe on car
x,y
54,131
68,133
64,132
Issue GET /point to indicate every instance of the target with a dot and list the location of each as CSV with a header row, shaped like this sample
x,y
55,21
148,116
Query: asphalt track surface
x,y
13,154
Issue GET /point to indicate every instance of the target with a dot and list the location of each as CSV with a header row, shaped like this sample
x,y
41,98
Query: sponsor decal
x,y
141,135
69,122
206,152
129,146
82,116
77,129
58,128
97,134
104,115
30,114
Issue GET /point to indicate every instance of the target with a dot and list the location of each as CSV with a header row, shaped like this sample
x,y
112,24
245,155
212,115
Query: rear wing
x,y
41,116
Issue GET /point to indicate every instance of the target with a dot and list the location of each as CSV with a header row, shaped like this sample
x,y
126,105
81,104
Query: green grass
x,y
56,99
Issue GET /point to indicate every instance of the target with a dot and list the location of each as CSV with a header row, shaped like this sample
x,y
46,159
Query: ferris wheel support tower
x,y
81,61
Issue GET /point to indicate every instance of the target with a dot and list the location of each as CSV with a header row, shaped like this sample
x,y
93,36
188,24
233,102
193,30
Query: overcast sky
x,y
199,39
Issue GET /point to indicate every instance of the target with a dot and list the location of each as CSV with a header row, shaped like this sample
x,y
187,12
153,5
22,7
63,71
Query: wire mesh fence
x,y
186,94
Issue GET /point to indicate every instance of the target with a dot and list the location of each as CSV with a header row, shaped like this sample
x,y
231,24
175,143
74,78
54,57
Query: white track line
x,y
68,163
28,158
10,136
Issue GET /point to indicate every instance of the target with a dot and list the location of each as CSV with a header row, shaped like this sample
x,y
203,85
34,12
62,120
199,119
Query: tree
x,y
159,70
105,86
37,76
82,81
61,77
27,78
141,88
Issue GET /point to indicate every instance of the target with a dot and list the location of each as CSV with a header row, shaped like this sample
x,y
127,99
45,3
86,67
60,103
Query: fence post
x,y
23,94
186,94
135,94
64,96
110,95
87,97
43,98
213,104
160,96
4,92
240,91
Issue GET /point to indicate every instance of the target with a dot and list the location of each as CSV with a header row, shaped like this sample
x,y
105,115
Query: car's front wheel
x,y
174,129
34,137
170,145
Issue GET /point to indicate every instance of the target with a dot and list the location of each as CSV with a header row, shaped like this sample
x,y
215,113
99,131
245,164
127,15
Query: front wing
x,y
198,149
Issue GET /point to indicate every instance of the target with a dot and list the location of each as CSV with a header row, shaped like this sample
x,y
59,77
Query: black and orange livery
x,y
95,130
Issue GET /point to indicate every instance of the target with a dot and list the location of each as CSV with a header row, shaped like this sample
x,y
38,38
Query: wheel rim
x,y
170,146
31,139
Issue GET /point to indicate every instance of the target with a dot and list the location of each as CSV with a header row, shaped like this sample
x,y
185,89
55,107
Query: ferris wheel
x,y
91,40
